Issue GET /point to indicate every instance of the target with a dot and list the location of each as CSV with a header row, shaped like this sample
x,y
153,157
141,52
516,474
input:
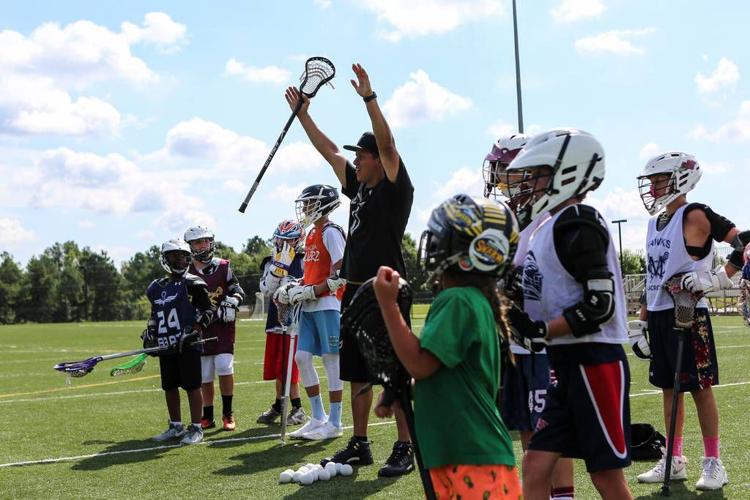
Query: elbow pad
x,y
739,243
597,307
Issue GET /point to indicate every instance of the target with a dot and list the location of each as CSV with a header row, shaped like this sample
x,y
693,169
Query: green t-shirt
x,y
456,417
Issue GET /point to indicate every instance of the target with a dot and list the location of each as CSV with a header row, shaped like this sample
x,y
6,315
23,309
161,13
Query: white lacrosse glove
x,y
299,293
281,261
706,281
335,282
638,337
228,309
281,295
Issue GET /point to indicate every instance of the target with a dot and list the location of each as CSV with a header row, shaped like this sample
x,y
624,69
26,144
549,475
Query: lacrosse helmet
x,y
475,235
683,171
574,162
175,257
291,232
497,160
194,233
315,202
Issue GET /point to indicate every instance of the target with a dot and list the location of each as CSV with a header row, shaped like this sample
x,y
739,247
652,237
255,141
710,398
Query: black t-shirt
x,y
377,221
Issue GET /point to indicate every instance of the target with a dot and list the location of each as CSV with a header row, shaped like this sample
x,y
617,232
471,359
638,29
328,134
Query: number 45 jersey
x,y
172,306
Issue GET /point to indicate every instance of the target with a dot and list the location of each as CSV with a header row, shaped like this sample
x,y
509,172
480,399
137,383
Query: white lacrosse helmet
x,y
576,163
175,257
684,173
493,169
197,233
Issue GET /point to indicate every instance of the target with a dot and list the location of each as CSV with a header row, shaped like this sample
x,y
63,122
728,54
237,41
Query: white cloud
x,y
464,180
501,128
417,18
737,130
176,220
623,204
718,167
648,151
568,11
618,42
420,99
158,29
266,74
323,4
725,76
12,233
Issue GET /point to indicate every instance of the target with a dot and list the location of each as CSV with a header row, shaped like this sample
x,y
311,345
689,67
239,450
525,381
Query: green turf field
x,y
91,439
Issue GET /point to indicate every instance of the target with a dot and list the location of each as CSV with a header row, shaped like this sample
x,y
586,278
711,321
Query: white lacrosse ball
x,y
310,466
297,476
303,469
323,475
331,469
286,476
346,470
308,478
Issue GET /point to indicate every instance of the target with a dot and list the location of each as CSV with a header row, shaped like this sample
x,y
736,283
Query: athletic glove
x,y
281,295
513,288
638,337
228,309
299,293
335,282
706,281
281,261
525,331
187,339
148,336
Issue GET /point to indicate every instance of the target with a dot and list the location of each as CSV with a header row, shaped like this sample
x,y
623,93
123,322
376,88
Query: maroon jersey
x,y
217,276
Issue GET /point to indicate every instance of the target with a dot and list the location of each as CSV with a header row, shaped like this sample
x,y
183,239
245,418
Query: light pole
x,y
619,236
518,71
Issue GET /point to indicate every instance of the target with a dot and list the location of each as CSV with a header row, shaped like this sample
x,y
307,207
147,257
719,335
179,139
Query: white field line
x,y
652,392
717,347
162,447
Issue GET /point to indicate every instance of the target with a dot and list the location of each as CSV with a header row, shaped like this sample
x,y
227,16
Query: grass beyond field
x,y
91,439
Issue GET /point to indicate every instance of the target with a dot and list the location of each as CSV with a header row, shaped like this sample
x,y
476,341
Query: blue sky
x,y
123,123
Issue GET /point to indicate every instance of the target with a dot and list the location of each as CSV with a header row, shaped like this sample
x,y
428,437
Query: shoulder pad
x,y
335,226
193,280
582,214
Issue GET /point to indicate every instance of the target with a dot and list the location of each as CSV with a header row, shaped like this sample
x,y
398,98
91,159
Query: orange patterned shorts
x,y
476,481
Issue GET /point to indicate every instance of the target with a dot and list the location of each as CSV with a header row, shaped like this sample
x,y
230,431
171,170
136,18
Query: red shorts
x,y
275,359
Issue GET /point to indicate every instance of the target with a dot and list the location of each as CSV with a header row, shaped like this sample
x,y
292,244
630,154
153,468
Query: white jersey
x,y
666,256
524,238
549,289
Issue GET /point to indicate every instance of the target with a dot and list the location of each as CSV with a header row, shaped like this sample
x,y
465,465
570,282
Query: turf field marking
x,y
58,389
162,447
652,392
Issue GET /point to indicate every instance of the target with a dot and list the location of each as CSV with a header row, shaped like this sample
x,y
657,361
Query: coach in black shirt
x,y
381,196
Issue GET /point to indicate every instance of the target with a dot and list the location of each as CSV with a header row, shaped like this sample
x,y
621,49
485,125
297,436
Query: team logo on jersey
x,y
165,299
532,279
312,254
656,267
214,296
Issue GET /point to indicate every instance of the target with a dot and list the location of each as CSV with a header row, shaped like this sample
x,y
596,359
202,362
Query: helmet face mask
x,y
175,257
315,202
665,178
496,162
290,232
193,236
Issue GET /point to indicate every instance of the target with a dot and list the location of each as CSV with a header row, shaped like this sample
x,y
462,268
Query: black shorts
x,y
700,367
181,370
587,412
524,391
352,365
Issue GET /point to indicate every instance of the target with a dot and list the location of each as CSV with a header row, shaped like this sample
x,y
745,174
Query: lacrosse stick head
x,y
135,365
288,314
318,72
684,302
364,319
77,368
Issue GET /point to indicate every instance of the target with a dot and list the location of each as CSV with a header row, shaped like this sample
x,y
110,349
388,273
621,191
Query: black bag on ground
x,y
646,443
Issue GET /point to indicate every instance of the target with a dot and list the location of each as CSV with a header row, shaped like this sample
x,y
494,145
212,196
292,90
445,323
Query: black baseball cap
x,y
366,143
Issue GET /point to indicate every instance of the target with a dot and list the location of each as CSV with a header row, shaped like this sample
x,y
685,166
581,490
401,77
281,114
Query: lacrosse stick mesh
x,y
135,365
364,319
318,72
684,302
743,304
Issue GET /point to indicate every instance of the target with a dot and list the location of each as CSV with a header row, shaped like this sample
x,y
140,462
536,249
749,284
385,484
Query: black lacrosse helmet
x,y
315,202
364,319
470,234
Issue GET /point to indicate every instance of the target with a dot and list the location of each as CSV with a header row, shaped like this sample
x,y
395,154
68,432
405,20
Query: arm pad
x,y
597,306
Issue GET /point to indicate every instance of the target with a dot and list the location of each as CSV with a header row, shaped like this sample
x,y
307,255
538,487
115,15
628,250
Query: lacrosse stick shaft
x,y
288,381
673,417
271,155
424,474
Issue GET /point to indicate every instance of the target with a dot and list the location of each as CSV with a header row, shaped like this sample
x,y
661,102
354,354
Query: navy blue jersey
x,y
177,306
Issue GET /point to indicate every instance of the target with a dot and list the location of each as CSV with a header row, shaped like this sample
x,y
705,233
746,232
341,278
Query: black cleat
x,y
400,462
356,453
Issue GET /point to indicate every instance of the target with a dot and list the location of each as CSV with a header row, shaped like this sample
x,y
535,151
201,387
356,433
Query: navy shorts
x,y
181,370
700,367
524,391
587,414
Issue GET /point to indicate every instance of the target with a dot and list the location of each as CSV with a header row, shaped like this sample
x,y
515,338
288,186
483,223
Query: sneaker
x,y
269,416
229,423
356,453
714,475
310,426
173,432
400,462
296,417
656,475
207,424
194,435
325,431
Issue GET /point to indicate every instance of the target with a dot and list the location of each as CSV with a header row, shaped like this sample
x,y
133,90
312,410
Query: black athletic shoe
x,y
356,453
400,462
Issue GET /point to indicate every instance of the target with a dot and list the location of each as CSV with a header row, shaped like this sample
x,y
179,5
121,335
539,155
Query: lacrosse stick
x,y
684,317
133,366
289,318
83,368
318,71
364,319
